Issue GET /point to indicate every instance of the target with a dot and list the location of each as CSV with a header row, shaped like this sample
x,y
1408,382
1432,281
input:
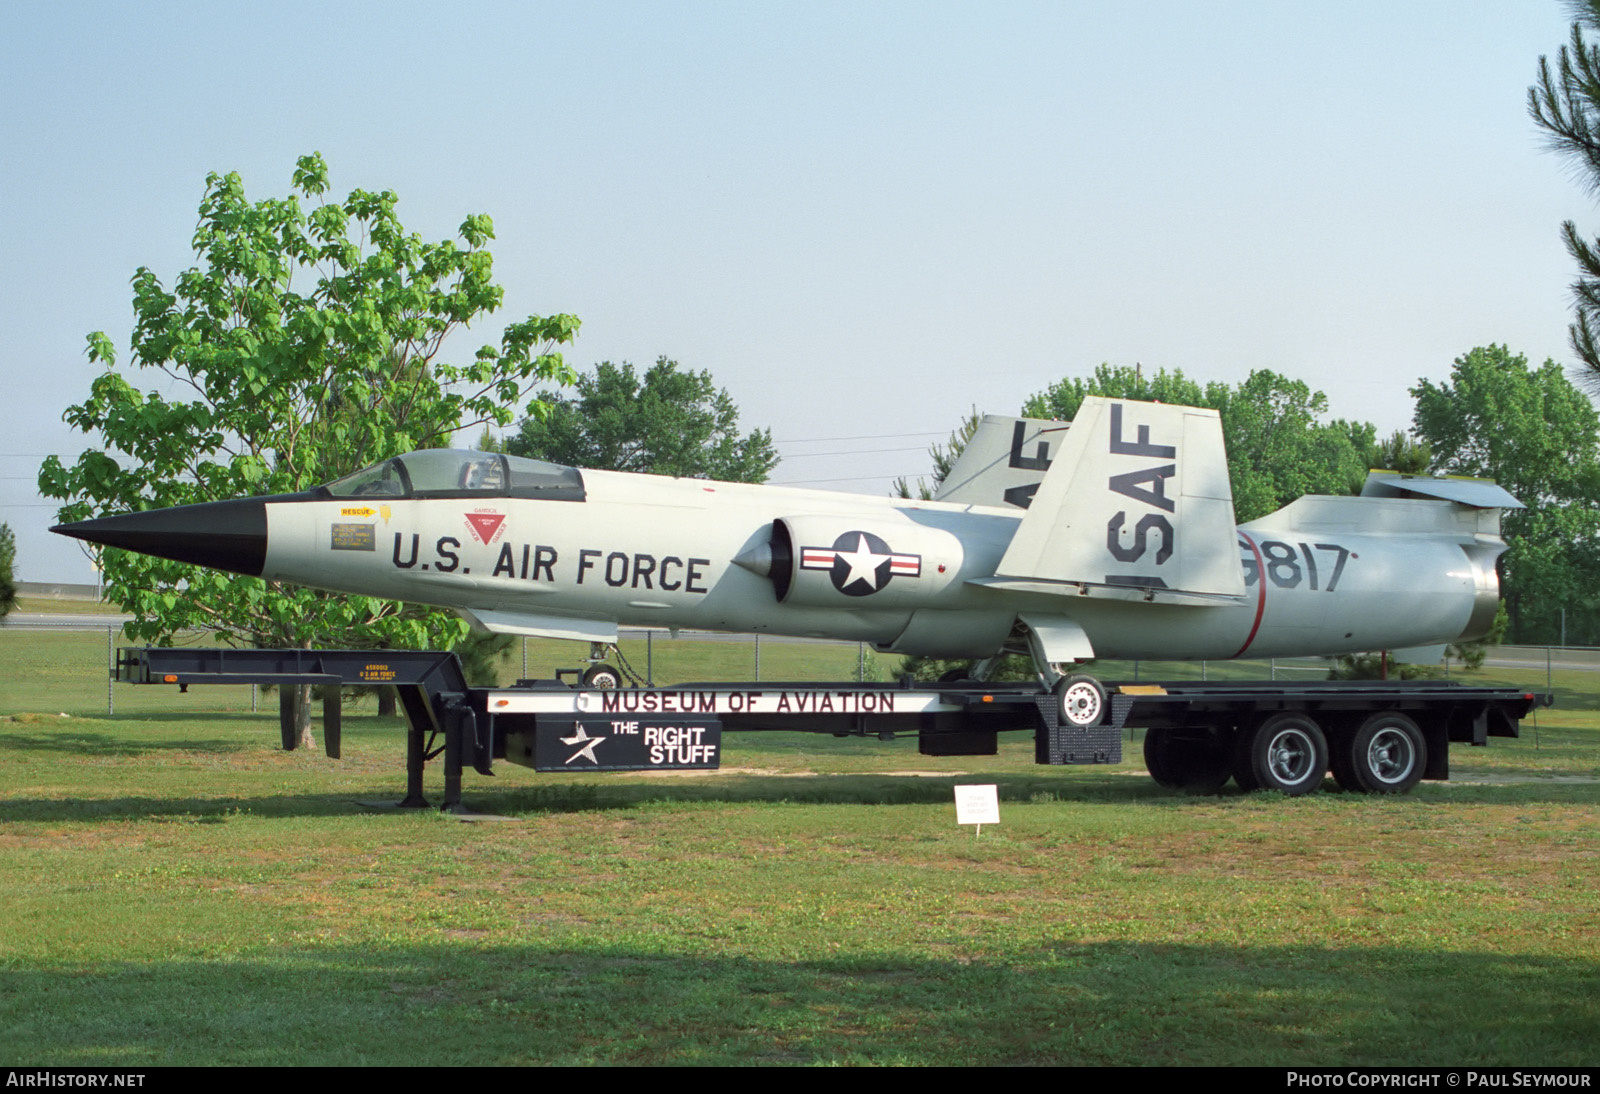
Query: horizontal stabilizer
x,y
1137,499
1320,514
1477,493
1130,593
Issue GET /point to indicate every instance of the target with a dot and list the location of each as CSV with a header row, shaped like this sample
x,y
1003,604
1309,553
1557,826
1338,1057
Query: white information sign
x,y
979,805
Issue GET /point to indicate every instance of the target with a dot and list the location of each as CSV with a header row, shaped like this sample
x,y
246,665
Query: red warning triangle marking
x,y
485,525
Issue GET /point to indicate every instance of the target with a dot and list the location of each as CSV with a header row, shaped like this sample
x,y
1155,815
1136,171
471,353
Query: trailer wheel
x,y
1387,755
602,677
1186,763
1081,699
1285,752
1159,760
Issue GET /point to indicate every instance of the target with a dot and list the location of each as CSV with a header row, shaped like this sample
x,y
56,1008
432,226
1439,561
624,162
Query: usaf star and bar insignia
x,y
860,563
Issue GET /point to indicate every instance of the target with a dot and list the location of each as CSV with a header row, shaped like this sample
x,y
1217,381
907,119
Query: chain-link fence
x,y
65,667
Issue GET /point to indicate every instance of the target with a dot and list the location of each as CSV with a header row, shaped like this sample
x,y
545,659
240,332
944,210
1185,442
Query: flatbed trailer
x,y
1375,736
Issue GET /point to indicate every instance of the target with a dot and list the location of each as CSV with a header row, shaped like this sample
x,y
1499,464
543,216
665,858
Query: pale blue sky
x,y
864,219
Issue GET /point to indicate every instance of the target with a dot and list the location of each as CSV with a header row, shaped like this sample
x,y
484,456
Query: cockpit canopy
x,y
454,473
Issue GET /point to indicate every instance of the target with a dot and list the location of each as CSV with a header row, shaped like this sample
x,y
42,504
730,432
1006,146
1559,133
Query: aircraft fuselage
x,y
656,552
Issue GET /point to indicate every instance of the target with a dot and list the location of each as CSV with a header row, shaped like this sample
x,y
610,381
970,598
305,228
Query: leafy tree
x,y
301,346
672,422
8,561
1403,453
1062,399
1011,668
1278,449
944,458
1538,436
1565,103
1379,665
1528,429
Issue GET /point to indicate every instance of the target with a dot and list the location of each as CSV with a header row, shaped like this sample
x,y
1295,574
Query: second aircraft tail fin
x,y
1003,462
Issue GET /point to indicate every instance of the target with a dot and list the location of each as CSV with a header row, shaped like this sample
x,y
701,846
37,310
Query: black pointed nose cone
x,y
224,535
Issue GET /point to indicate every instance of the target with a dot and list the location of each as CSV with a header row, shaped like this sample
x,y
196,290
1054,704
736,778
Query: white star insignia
x,y
863,564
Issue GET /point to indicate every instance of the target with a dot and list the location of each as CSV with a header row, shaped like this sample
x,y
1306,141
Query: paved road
x,y
1555,662
62,619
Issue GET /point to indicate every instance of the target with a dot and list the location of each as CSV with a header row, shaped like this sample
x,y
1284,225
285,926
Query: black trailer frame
x,y
1378,736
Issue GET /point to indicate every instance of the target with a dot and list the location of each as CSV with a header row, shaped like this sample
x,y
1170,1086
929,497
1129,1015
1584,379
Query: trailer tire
x,y
1159,760
1186,763
1386,755
1285,752
1081,701
602,678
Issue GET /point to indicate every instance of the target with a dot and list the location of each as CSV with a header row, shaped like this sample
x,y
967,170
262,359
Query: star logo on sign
x,y
582,738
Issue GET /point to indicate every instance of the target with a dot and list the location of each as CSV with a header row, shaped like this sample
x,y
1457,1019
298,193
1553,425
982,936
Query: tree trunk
x,y
302,717
388,705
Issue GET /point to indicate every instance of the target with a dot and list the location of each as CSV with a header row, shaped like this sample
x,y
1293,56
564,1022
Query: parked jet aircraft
x,y
1113,536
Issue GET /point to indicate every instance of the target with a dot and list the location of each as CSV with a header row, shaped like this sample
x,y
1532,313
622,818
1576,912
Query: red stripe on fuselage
x,y
1261,594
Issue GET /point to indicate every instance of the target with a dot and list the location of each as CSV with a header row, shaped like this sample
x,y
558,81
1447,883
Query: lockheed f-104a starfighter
x,y
1112,536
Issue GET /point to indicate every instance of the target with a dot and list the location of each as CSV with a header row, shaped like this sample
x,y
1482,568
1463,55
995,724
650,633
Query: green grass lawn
x,y
178,891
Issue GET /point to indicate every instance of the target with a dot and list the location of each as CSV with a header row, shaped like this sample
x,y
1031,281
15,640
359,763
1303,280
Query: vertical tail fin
x,y
1136,499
